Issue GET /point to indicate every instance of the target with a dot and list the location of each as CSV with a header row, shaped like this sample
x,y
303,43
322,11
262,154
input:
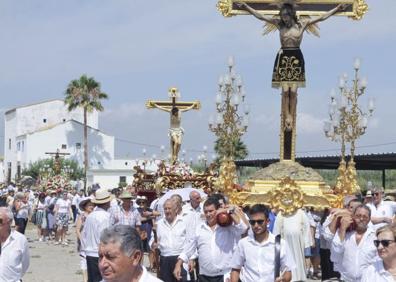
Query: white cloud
x,y
309,124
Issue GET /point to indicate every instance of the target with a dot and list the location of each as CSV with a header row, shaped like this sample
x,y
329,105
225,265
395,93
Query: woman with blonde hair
x,y
385,268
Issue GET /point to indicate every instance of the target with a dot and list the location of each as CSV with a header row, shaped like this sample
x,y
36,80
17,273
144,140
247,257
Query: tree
x,y
85,93
40,167
240,149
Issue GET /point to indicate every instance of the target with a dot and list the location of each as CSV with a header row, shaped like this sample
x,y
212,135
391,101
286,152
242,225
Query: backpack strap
x,y
277,256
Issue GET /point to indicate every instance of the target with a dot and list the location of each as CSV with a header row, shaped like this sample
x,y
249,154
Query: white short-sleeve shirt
x,y
257,259
376,273
384,209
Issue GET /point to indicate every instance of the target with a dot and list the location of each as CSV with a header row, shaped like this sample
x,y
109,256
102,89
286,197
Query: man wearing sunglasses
x,y
382,212
256,253
14,250
353,244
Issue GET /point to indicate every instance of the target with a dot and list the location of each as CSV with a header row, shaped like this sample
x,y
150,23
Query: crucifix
x,y
57,163
175,108
289,67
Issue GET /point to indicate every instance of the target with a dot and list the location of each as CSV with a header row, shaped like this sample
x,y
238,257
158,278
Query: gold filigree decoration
x,y
225,7
361,9
287,197
289,68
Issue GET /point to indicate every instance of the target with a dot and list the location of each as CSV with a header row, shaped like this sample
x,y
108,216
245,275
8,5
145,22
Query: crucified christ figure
x,y
289,69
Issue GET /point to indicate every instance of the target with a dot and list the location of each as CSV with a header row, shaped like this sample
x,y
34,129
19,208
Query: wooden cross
x,y
355,10
174,107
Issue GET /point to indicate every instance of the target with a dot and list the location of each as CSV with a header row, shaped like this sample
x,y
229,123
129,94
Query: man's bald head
x,y
195,199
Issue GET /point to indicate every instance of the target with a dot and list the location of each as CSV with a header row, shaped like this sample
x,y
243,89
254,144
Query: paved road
x,y
52,263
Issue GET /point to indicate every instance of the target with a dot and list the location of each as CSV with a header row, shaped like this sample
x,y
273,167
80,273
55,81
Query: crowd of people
x,y
201,237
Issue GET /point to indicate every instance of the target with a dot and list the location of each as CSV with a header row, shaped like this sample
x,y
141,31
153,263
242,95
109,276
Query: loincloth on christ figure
x,y
289,68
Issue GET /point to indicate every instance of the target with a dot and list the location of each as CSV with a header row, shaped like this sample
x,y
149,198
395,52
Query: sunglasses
x,y
377,194
384,243
259,221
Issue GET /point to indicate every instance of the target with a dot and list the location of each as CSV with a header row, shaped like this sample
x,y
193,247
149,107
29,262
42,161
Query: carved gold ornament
x,y
287,197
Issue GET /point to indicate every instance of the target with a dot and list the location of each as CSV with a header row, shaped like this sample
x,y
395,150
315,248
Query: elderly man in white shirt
x,y
256,252
94,224
172,235
382,212
354,249
215,244
14,250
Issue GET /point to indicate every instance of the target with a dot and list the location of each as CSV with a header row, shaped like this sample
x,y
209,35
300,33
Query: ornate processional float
x,y
287,185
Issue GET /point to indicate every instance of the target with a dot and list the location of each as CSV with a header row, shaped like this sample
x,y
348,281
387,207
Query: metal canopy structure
x,y
381,162
363,162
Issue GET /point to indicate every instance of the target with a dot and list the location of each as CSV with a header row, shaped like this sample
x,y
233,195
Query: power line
x,y
259,153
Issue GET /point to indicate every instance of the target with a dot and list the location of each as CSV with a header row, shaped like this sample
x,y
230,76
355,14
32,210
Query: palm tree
x,y
85,93
240,150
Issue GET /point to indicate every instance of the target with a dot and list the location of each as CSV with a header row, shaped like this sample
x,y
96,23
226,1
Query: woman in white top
x,y
385,268
40,218
62,215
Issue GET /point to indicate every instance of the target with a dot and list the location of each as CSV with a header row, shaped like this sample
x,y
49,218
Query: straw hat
x,y
369,194
102,196
126,195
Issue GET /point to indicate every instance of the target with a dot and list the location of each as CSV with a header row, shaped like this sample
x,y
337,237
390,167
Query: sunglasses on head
x,y
259,221
384,243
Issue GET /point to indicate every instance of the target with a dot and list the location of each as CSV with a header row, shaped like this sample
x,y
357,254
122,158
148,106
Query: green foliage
x,y
122,184
38,167
85,93
240,150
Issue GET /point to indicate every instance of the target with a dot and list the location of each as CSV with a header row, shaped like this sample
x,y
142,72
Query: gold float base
x,y
286,186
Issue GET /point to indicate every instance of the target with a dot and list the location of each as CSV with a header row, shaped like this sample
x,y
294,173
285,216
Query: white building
x,y
32,130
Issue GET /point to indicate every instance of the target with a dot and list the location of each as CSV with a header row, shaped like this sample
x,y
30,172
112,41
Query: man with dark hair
x,y
256,253
215,244
121,254
352,247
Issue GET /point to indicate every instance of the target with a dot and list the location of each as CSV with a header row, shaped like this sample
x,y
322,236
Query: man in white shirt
x,y
22,212
382,212
14,250
354,250
121,254
195,205
172,235
215,244
256,253
95,223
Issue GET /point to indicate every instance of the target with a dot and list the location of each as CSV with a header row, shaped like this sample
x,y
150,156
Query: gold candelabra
x,y
229,124
347,122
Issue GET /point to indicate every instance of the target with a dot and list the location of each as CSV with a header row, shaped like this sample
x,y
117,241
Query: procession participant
x,y
215,244
368,199
22,212
95,223
62,213
10,197
383,269
256,253
295,230
86,207
121,254
41,222
74,204
382,212
14,250
173,233
354,249
147,216
125,213
195,204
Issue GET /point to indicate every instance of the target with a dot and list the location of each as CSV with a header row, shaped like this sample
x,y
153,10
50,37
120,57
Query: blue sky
x,y
138,49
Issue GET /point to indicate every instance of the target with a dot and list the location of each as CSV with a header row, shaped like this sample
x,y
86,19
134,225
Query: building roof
x,y
33,104
379,161
60,123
